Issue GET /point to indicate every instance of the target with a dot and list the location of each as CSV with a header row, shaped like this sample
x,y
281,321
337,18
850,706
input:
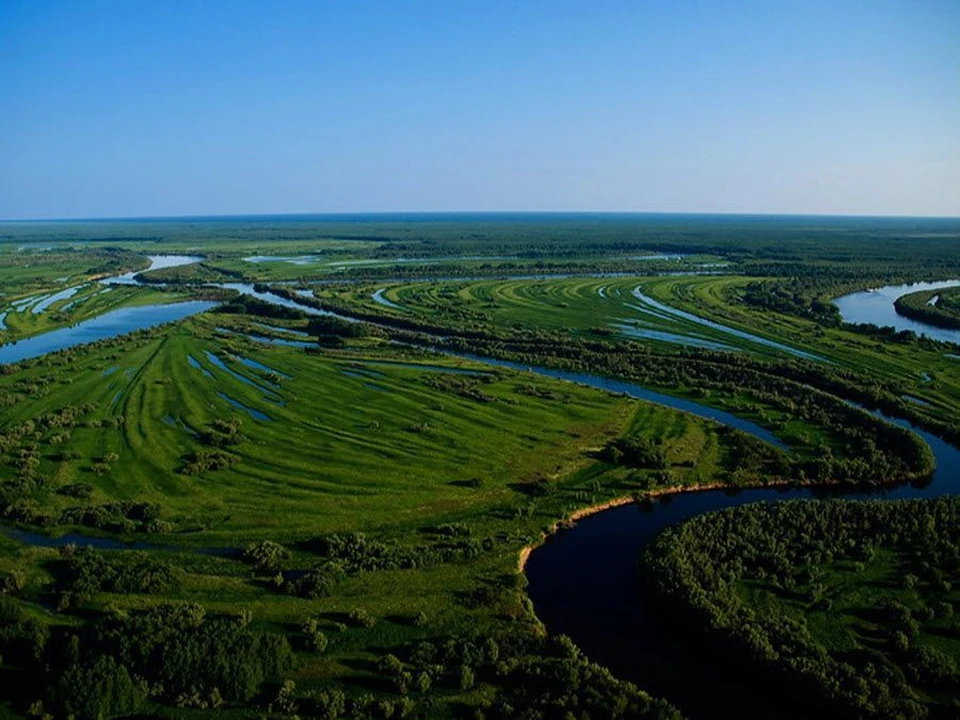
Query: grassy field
x,y
370,437
581,305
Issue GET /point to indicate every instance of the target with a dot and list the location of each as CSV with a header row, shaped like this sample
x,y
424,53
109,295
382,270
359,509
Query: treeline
x,y
511,676
708,571
249,305
117,663
82,573
940,308
351,553
887,240
217,437
123,663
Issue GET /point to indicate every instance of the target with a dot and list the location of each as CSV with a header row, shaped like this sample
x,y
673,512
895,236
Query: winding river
x,y
583,581
876,307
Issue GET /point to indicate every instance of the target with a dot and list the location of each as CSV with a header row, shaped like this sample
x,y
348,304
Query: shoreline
x,y
566,522
569,521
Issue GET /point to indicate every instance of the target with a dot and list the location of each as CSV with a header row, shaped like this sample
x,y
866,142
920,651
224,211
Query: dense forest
x,y
846,606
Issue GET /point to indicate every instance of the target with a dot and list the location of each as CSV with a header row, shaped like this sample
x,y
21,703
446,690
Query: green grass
x,y
337,455
585,305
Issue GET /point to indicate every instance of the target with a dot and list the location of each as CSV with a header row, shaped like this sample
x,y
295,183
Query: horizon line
x,y
382,213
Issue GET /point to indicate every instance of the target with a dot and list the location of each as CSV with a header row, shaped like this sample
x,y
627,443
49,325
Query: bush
x,y
361,618
266,556
77,490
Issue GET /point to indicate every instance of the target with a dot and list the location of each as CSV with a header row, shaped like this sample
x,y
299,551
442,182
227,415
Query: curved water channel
x,y
110,324
584,582
876,307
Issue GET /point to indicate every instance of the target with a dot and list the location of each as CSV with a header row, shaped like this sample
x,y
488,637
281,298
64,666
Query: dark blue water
x,y
584,583
103,327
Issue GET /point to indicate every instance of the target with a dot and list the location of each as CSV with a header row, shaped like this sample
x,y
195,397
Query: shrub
x,y
266,556
361,618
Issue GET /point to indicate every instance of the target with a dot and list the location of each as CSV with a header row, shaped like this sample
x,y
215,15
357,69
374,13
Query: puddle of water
x,y
42,306
197,366
260,366
220,365
254,413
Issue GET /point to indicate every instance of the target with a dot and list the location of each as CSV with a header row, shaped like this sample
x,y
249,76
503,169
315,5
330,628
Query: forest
x,y
848,607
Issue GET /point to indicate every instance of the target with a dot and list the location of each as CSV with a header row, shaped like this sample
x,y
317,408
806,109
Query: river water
x,y
108,325
876,307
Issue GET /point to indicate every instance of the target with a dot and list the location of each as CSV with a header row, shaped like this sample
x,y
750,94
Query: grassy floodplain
x,y
585,305
359,439
345,512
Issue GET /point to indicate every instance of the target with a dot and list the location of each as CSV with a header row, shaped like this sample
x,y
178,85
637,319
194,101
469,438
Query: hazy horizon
x,y
119,110
462,213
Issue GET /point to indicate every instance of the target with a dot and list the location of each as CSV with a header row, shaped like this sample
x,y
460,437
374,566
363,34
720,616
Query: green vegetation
x,y
327,512
377,492
936,307
846,606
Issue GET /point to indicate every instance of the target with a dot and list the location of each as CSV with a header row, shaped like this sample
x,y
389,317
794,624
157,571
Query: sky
x,y
129,108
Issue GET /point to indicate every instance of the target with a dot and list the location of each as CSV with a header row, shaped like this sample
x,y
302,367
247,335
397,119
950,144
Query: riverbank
x,y
637,498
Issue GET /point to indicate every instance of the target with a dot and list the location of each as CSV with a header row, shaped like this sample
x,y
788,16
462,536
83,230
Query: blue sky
x,y
136,108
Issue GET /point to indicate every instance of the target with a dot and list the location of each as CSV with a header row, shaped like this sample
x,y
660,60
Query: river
x,y
876,307
110,324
